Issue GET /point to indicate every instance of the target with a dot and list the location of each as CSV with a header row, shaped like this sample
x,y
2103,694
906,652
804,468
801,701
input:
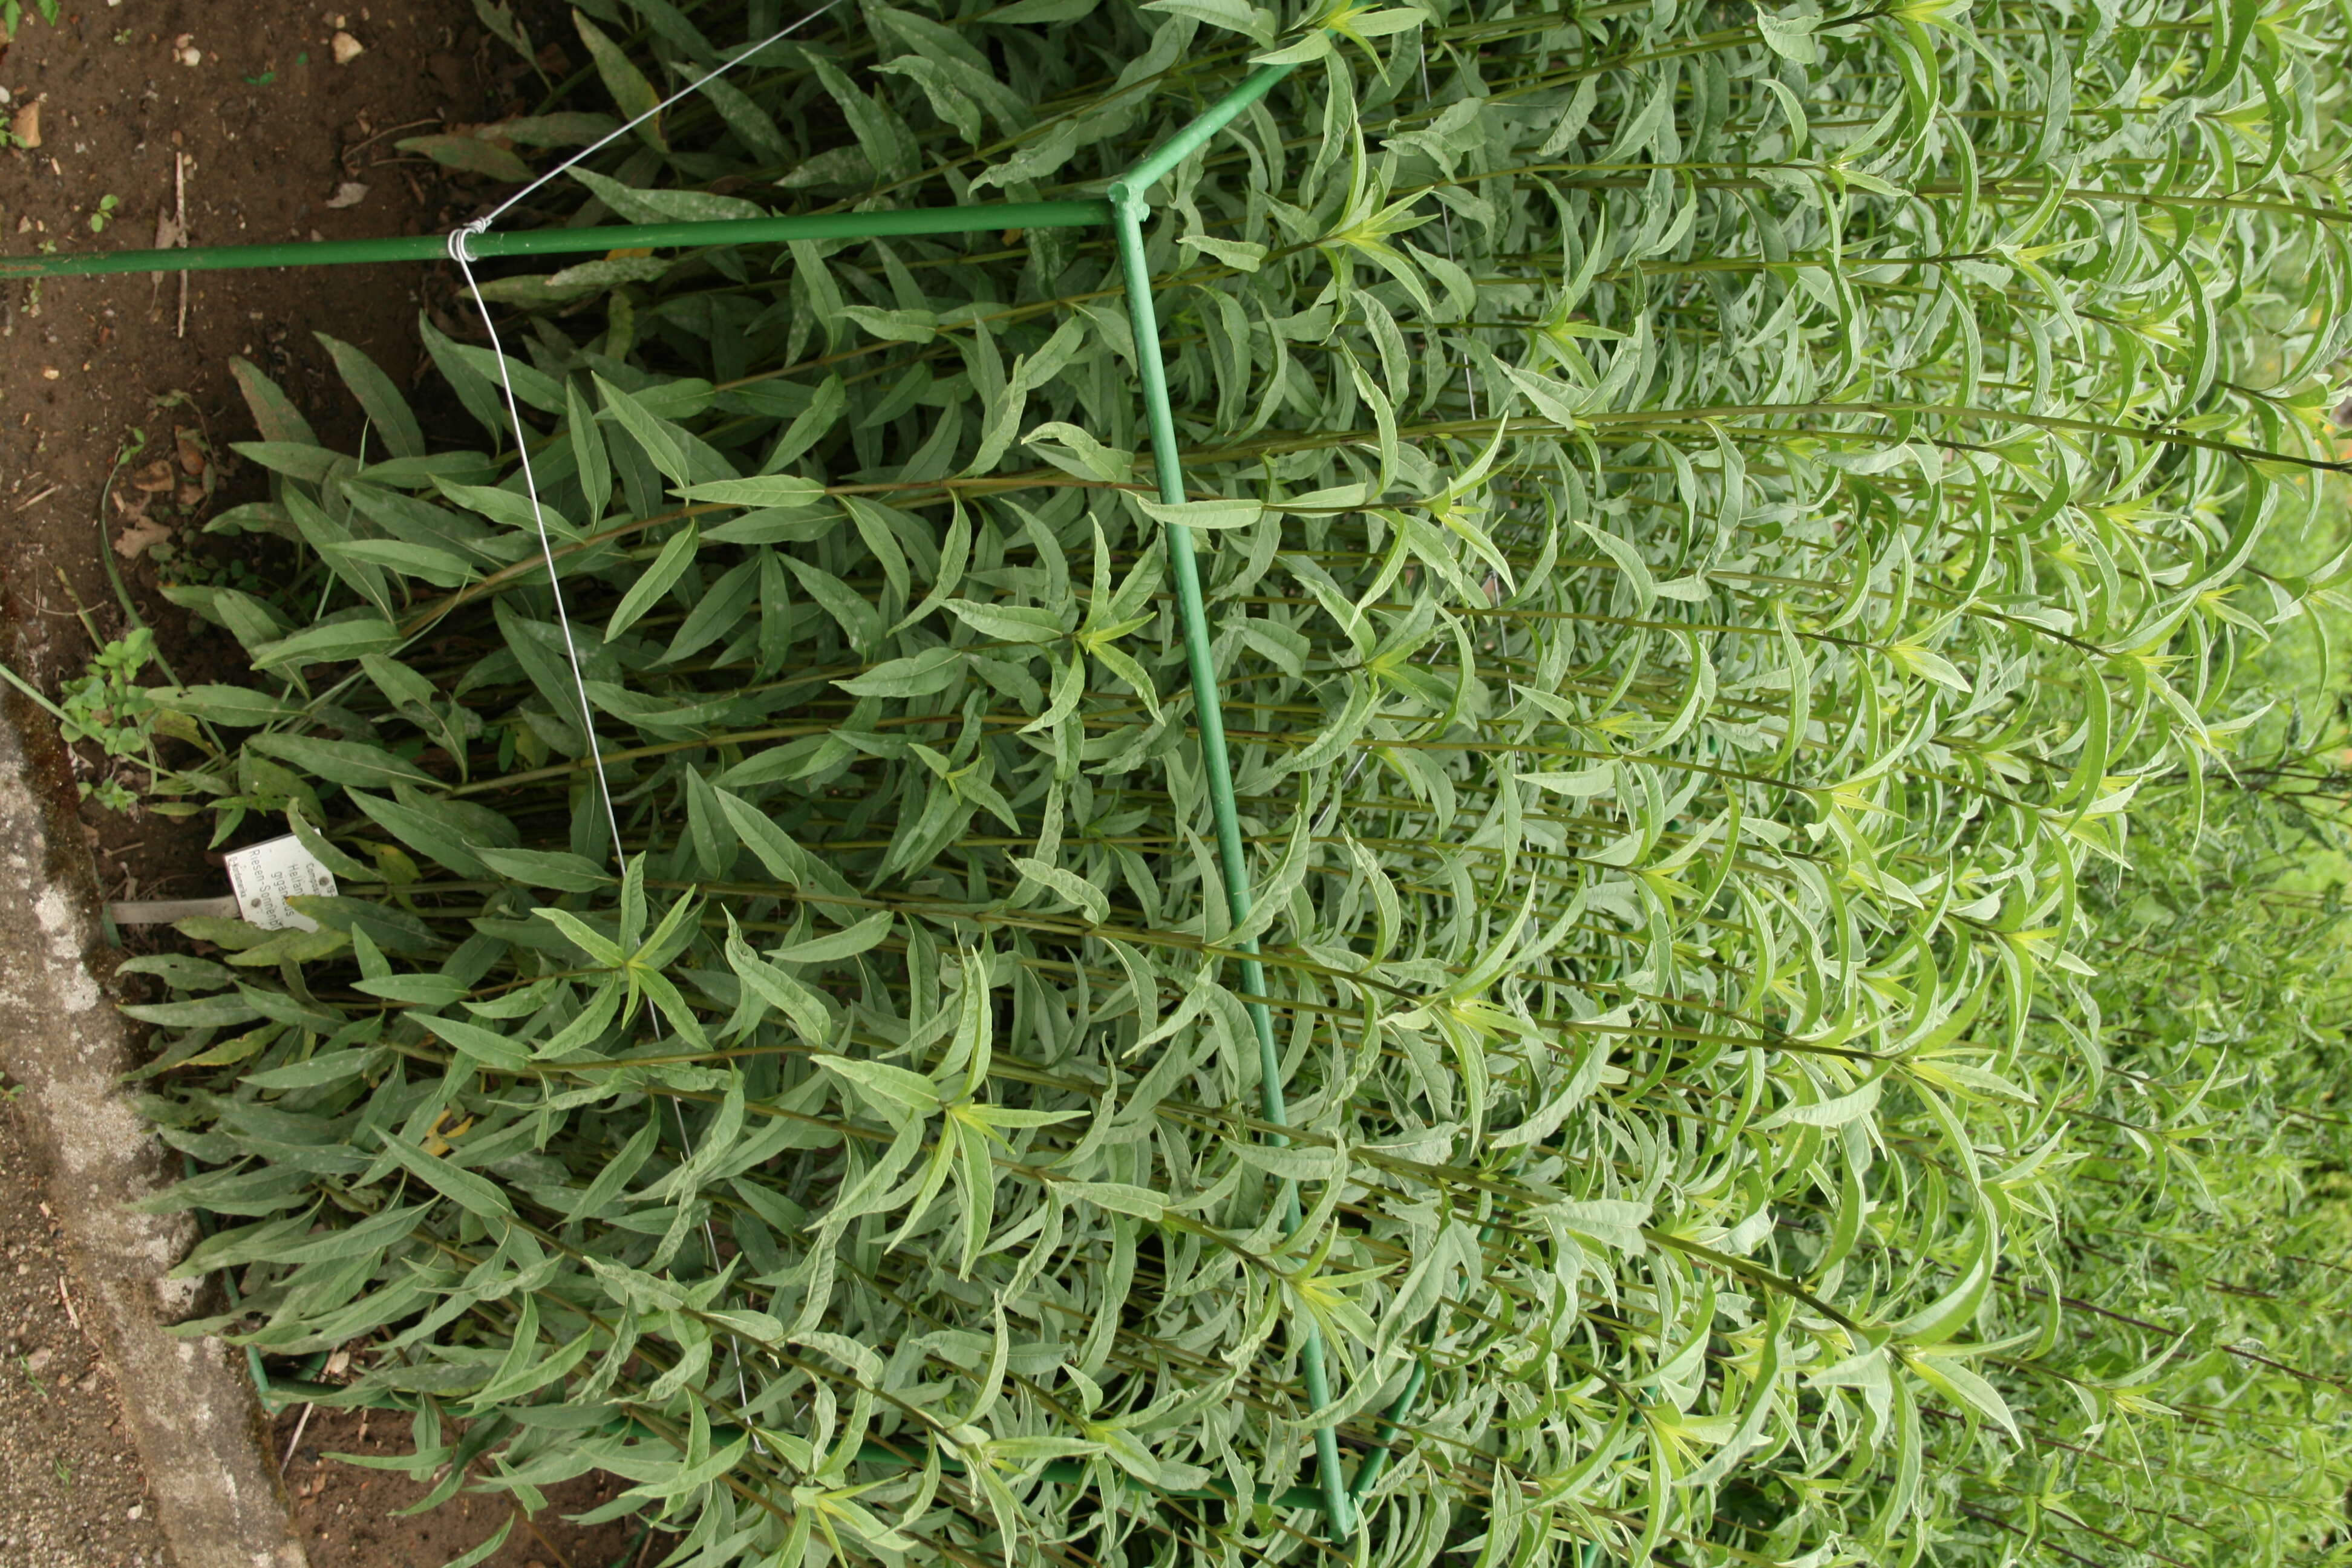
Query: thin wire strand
x,y
460,252
546,546
480,225
710,1240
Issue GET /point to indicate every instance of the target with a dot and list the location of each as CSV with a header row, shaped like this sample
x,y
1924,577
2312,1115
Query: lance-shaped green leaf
x,y
476,1193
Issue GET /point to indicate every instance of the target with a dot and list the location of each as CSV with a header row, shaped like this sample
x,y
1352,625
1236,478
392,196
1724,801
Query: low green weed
x,y
109,707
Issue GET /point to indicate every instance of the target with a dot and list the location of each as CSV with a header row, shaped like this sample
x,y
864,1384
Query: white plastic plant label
x,y
266,874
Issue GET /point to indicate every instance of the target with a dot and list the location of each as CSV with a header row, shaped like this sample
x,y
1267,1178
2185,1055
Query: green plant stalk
x,y
1208,723
575,241
34,692
1127,208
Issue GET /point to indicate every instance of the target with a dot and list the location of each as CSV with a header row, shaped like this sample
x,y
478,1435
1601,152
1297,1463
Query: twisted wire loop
x,y
462,234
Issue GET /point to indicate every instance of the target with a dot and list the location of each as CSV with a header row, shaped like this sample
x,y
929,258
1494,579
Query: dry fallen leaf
x,y
155,478
25,125
189,493
139,538
168,236
350,194
192,456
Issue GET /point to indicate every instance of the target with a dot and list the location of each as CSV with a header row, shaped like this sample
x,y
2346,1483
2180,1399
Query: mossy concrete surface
x,y
186,1402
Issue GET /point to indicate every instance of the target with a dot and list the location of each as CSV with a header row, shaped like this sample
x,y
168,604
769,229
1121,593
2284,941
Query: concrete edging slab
x,y
191,1412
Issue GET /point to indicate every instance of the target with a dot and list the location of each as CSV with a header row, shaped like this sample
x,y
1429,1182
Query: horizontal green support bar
x,y
575,241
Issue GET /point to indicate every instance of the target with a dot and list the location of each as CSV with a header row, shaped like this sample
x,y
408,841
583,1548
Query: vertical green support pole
x,y
1391,1430
1127,211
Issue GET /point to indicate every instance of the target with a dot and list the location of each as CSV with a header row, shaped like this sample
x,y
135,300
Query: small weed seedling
x,y
108,708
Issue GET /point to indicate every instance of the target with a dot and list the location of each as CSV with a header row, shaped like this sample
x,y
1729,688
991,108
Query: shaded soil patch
x,y
70,1488
117,412
348,1515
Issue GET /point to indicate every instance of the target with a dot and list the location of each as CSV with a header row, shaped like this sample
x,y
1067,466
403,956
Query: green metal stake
x,y
1127,210
573,241
1131,185
1392,1419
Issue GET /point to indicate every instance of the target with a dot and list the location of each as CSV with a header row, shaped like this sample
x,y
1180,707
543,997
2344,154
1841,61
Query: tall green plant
x,y
1718,515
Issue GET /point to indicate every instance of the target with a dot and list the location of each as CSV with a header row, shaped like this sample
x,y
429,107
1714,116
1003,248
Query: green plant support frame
x,y
1122,210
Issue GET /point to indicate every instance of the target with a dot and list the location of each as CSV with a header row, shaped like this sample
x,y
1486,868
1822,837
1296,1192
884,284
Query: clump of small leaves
x,y
1720,523
108,706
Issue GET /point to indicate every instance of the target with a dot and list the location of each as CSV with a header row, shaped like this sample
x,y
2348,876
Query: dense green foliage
x,y
1732,530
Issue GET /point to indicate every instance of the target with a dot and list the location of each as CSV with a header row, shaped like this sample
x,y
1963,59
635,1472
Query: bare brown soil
x,y
70,1489
348,1515
249,145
